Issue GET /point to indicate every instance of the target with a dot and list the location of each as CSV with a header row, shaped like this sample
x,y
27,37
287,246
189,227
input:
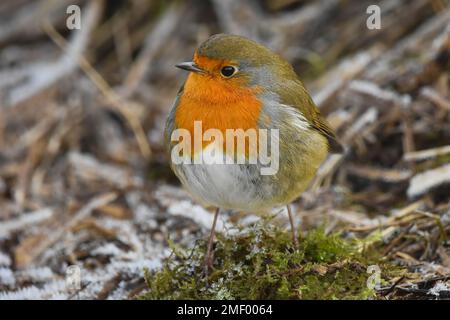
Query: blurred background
x,y
84,178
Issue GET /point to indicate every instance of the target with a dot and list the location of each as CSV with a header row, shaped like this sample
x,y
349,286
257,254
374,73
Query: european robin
x,y
235,83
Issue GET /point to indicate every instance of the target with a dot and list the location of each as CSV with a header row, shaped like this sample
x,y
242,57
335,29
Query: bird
x,y
235,83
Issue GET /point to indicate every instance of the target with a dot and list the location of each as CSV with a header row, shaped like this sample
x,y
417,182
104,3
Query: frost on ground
x,y
439,288
111,244
85,178
111,251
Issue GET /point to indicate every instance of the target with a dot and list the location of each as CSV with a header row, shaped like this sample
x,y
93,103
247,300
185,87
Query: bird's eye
x,y
228,71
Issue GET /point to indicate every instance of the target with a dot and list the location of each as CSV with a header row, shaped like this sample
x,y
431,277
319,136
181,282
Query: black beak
x,y
190,66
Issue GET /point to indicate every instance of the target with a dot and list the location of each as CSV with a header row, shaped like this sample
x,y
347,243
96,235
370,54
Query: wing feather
x,y
293,93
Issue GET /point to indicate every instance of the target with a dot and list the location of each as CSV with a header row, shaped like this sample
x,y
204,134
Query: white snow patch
x,y
438,287
197,214
52,290
119,293
37,274
7,277
24,220
5,260
133,268
249,220
109,249
144,214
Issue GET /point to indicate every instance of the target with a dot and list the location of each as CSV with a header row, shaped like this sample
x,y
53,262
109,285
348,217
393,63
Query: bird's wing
x,y
321,124
170,122
294,94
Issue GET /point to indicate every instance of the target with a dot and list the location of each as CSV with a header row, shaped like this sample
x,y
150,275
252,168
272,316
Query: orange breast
x,y
218,103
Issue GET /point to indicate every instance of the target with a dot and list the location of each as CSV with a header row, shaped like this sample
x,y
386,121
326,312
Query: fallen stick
x,y
24,220
379,174
427,180
58,233
239,17
433,96
41,76
25,20
153,43
89,168
333,81
426,154
112,97
373,90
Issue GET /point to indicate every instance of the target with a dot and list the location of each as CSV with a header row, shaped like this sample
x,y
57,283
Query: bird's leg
x,y
209,257
293,229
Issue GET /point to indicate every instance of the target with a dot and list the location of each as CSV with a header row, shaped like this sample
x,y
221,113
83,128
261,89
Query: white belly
x,y
230,186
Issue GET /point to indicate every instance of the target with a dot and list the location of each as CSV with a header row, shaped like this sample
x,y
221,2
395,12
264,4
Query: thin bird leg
x,y
294,230
209,257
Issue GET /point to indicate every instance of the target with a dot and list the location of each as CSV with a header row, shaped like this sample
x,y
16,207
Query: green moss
x,y
260,263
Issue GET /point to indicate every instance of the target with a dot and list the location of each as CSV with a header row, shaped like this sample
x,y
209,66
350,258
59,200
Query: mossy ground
x,y
261,263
